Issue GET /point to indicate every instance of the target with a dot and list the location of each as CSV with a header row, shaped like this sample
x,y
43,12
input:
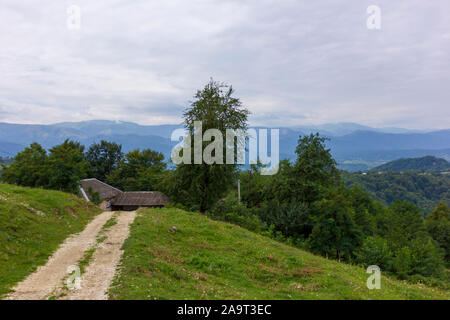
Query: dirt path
x,y
47,278
97,278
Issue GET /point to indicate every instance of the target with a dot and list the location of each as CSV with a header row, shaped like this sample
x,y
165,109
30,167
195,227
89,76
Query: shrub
x,y
94,196
230,210
293,219
374,251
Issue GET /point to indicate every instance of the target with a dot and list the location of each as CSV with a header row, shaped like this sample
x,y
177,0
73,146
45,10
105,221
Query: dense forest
x,y
309,203
428,163
424,189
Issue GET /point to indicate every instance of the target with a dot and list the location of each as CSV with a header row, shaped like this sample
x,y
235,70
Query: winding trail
x,y
96,280
99,274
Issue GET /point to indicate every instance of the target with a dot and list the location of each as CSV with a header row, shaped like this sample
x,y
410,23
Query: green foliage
x,y
230,210
94,196
252,185
203,184
365,210
28,168
4,162
374,251
281,187
308,178
206,259
139,171
103,158
405,224
423,189
66,166
314,168
292,219
334,234
402,244
305,204
428,163
438,226
427,259
419,258
61,169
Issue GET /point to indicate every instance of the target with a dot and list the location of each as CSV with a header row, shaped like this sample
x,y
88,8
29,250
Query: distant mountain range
x,y
355,147
427,163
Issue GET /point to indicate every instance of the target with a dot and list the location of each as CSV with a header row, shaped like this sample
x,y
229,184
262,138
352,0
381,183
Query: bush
x,y
293,219
402,264
374,251
428,259
230,210
94,196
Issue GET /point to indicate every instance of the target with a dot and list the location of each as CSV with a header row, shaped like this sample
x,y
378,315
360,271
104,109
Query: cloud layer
x,y
290,62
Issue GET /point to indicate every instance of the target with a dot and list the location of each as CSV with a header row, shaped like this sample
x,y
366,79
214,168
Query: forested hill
x,y
428,163
423,189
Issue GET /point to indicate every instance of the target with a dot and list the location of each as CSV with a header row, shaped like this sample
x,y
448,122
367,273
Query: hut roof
x,y
105,190
142,198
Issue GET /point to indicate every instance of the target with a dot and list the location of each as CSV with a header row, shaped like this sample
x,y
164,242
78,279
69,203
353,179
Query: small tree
x,y
28,167
334,233
374,251
103,158
406,224
139,171
314,168
438,226
216,107
66,166
94,195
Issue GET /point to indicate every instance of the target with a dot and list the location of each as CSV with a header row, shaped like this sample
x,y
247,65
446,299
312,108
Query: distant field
x,y
205,259
33,223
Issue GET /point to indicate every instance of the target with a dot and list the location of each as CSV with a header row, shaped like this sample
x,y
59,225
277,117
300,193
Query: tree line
x,y
64,165
306,204
424,189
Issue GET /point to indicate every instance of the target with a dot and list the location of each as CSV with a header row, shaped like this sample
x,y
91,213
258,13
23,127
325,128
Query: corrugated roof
x,y
105,190
143,198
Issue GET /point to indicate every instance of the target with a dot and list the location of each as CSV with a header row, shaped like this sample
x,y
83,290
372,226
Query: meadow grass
x,y
33,223
206,259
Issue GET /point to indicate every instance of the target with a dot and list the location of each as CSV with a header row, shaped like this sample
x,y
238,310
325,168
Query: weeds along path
x,y
99,274
48,278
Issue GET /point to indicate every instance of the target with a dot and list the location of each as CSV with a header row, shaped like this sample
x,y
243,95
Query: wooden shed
x,y
106,192
136,199
115,199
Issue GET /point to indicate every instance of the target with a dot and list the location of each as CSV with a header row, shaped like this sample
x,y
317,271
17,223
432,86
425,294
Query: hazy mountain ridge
x,y
427,163
358,147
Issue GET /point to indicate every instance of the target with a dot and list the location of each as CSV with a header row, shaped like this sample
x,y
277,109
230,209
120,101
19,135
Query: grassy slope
x,y
206,259
33,223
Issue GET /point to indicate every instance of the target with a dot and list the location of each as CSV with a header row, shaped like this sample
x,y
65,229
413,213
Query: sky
x,y
290,62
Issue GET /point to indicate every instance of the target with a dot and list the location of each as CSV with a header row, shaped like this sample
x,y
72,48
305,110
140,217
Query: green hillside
x,y
428,163
206,259
423,189
33,223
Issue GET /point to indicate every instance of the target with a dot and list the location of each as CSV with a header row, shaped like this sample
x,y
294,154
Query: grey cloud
x,y
291,62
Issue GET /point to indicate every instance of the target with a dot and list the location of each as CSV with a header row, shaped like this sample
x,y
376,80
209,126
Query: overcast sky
x,y
290,62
